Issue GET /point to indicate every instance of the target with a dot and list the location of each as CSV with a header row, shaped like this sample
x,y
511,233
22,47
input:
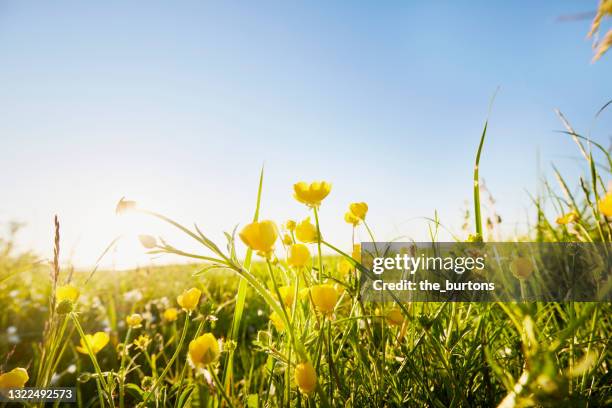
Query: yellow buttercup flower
x,y
260,236
66,292
96,342
142,342
567,218
311,194
290,225
16,378
170,314
287,293
350,218
287,240
277,321
345,267
299,255
521,267
325,297
395,317
305,231
605,204
359,210
189,299
134,320
204,349
305,377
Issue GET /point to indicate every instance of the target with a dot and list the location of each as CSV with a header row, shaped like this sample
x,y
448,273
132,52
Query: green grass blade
x,y
477,211
241,295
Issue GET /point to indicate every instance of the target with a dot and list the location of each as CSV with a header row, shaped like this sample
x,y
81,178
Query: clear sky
x,y
178,104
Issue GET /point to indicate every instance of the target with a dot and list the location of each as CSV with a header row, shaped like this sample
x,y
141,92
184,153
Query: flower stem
x,y
100,377
174,356
121,368
220,387
316,215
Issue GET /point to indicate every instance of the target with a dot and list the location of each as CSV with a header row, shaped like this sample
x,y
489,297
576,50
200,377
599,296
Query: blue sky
x,y
178,104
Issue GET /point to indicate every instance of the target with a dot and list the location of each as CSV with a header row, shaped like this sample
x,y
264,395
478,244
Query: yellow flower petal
x,y
299,255
96,342
134,320
306,232
305,377
521,267
189,299
260,236
66,292
605,205
170,314
350,218
16,378
567,218
325,297
287,294
311,194
395,317
277,321
204,349
359,210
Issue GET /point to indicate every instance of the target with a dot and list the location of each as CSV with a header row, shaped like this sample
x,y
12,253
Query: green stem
x,y
371,236
220,386
316,215
121,368
174,356
92,356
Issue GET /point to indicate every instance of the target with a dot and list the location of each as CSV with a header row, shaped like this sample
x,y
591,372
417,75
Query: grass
x,y
438,354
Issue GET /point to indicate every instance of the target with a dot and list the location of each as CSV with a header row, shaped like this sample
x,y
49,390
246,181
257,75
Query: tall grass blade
x,y
241,296
477,211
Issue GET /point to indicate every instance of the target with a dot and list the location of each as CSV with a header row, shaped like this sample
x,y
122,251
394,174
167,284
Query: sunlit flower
x,y
311,194
134,320
170,314
521,267
305,377
305,231
204,349
325,297
287,294
260,236
189,299
567,218
96,342
148,241
287,240
16,378
290,225
350,218
359,210
395,317
345,267
299,255
142,342
605,204
277,321
66,292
